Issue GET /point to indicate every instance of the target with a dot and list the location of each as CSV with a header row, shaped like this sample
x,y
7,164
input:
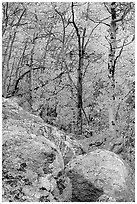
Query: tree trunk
x,y
79,93
111,69
31,76
6,72
79,73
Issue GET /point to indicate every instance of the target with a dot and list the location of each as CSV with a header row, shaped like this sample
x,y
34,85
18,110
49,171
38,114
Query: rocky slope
x,y
43,164
34,155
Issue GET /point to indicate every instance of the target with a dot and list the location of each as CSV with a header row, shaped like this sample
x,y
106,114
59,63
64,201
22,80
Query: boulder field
x,y
40,163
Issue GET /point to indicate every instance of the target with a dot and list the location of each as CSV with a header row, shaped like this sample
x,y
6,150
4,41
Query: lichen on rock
x,y
31,162
43,164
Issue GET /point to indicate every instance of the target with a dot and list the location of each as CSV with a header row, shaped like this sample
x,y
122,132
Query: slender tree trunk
x,y
10,78
5,17
6,72
111,69
79,92
19,64
31,76
79,74
78,87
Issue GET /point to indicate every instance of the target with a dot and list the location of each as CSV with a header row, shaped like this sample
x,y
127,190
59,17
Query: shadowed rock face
x,y
83,189
99,176
31,162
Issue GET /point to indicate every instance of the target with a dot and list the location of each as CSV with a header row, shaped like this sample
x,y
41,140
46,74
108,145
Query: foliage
x,y
40,62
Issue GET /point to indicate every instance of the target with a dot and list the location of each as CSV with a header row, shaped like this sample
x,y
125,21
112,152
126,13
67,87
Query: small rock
x,y
45,183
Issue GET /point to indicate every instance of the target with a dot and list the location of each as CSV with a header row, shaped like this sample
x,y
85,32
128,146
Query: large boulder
x,y
32,158
33,124
99,176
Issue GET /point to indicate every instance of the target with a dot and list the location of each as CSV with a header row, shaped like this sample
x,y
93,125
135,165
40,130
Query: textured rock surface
x,y
99,176
34,156
33,124
32,160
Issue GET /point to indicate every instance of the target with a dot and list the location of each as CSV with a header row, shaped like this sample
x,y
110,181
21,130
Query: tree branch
x,y
90,35
122,47
6,17
120,52
76,89
100,21
133,38
76,28
83,38
66,67
27,72
107,8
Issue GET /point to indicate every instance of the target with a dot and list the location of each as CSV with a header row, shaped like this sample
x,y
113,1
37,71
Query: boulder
x,y
99,176
34,125
31,162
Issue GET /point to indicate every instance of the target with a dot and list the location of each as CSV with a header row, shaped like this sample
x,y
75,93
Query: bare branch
x,y
133,38
122,47
86,69
83,38
75,26
107,8
63,23
120,52
90,35
21,17
100,21
6,18
67,69
27,72
107,39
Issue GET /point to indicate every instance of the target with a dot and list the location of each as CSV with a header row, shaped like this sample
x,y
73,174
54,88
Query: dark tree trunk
x,y
79,73
31,76
79,92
